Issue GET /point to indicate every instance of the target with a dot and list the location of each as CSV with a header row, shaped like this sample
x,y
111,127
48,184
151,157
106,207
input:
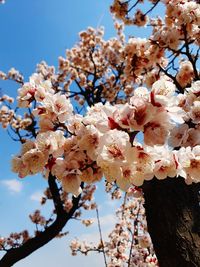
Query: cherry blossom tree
x,y
125,110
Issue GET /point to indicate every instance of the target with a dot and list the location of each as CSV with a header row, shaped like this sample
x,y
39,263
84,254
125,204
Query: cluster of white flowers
x,y
121,9
12,74
14,240
78,148
8,116
178,13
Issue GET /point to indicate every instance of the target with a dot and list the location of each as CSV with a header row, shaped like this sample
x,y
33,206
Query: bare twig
x,y
101,238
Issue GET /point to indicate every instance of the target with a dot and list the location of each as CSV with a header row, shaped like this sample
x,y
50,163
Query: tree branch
x,y
14,255
101,238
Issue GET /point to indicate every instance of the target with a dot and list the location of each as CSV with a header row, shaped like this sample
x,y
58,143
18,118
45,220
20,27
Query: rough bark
x,y
173,218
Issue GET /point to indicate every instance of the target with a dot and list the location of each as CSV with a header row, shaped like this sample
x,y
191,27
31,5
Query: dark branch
x,y
14,255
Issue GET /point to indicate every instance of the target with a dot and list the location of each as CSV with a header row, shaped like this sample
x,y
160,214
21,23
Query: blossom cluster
x,y
121,10
184,12
8,116
109,69
78,148
12,74
103,68
178,29
14,240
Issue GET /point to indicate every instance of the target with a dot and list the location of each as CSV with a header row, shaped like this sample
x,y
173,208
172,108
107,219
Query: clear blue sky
x,y
32,31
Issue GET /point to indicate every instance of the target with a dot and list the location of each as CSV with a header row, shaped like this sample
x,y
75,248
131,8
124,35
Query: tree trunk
x,y
173,219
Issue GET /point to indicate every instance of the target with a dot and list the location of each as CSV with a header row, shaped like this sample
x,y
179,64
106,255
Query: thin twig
x,y
101,238
133,234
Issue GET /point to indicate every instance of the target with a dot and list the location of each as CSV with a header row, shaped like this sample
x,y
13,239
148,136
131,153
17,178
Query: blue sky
x,y
32,31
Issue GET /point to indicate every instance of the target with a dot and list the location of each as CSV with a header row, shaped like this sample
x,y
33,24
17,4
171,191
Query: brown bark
x,y
173,219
